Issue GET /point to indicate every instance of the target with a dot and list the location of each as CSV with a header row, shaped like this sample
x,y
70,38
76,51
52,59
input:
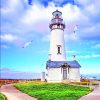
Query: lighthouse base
x,y
59,71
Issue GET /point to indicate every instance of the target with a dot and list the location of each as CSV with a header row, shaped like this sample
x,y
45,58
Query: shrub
x,y
2,97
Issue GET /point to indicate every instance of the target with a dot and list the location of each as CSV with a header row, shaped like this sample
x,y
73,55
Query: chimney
x,y
74,57
49,57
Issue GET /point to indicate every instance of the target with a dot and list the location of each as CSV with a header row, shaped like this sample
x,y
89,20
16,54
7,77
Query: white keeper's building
x,y
58,68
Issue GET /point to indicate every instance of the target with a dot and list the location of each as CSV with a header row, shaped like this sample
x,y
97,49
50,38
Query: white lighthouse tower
x,y
57,48
58,68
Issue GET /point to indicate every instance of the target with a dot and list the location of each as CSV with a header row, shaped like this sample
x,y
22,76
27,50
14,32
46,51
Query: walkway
x,y
13,94
95,95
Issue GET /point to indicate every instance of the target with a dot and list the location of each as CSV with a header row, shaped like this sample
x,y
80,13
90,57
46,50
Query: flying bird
x,y
75,28
27,44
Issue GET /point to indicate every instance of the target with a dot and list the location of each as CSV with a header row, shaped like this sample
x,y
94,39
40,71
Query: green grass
x,y
2,97
55,91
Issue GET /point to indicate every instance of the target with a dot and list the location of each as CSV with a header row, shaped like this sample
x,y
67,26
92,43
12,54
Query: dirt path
x,y
13,94
95,95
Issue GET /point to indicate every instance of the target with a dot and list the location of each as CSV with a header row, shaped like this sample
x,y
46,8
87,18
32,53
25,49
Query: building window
x,y
58,49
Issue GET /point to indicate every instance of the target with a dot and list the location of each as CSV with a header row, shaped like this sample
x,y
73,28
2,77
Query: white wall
x,y
54,75
74,74
57,38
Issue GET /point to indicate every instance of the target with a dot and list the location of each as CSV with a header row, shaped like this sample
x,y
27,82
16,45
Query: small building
x,y
59,71
58,68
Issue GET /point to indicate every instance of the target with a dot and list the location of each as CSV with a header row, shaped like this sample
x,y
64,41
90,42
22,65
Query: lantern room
x,y
57,21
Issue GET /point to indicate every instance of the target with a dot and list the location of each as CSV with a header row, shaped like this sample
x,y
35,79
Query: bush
x,y
2,97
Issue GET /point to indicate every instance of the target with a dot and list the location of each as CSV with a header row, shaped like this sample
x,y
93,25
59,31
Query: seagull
x,y
27,44
75,28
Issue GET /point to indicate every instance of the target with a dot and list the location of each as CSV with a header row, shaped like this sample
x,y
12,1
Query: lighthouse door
x,y
64,73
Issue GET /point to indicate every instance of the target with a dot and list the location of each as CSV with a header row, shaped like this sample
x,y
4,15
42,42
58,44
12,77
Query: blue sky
x,y
23,21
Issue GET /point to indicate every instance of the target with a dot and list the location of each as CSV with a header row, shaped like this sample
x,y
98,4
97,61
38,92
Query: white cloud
x,y
91,8
90,32
71,51
4,46
46,38
85,2
37,17
96,55
34,20
90,56
72,13
11,39
33,14
70,37
8,37
11,6
96,46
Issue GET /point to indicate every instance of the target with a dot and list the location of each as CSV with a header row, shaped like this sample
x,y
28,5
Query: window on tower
x,y
59,49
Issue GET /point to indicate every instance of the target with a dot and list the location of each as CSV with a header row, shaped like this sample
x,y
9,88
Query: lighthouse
x,y
57,45
58,68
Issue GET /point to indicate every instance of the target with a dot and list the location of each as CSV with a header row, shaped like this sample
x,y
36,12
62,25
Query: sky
x,y
25,34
